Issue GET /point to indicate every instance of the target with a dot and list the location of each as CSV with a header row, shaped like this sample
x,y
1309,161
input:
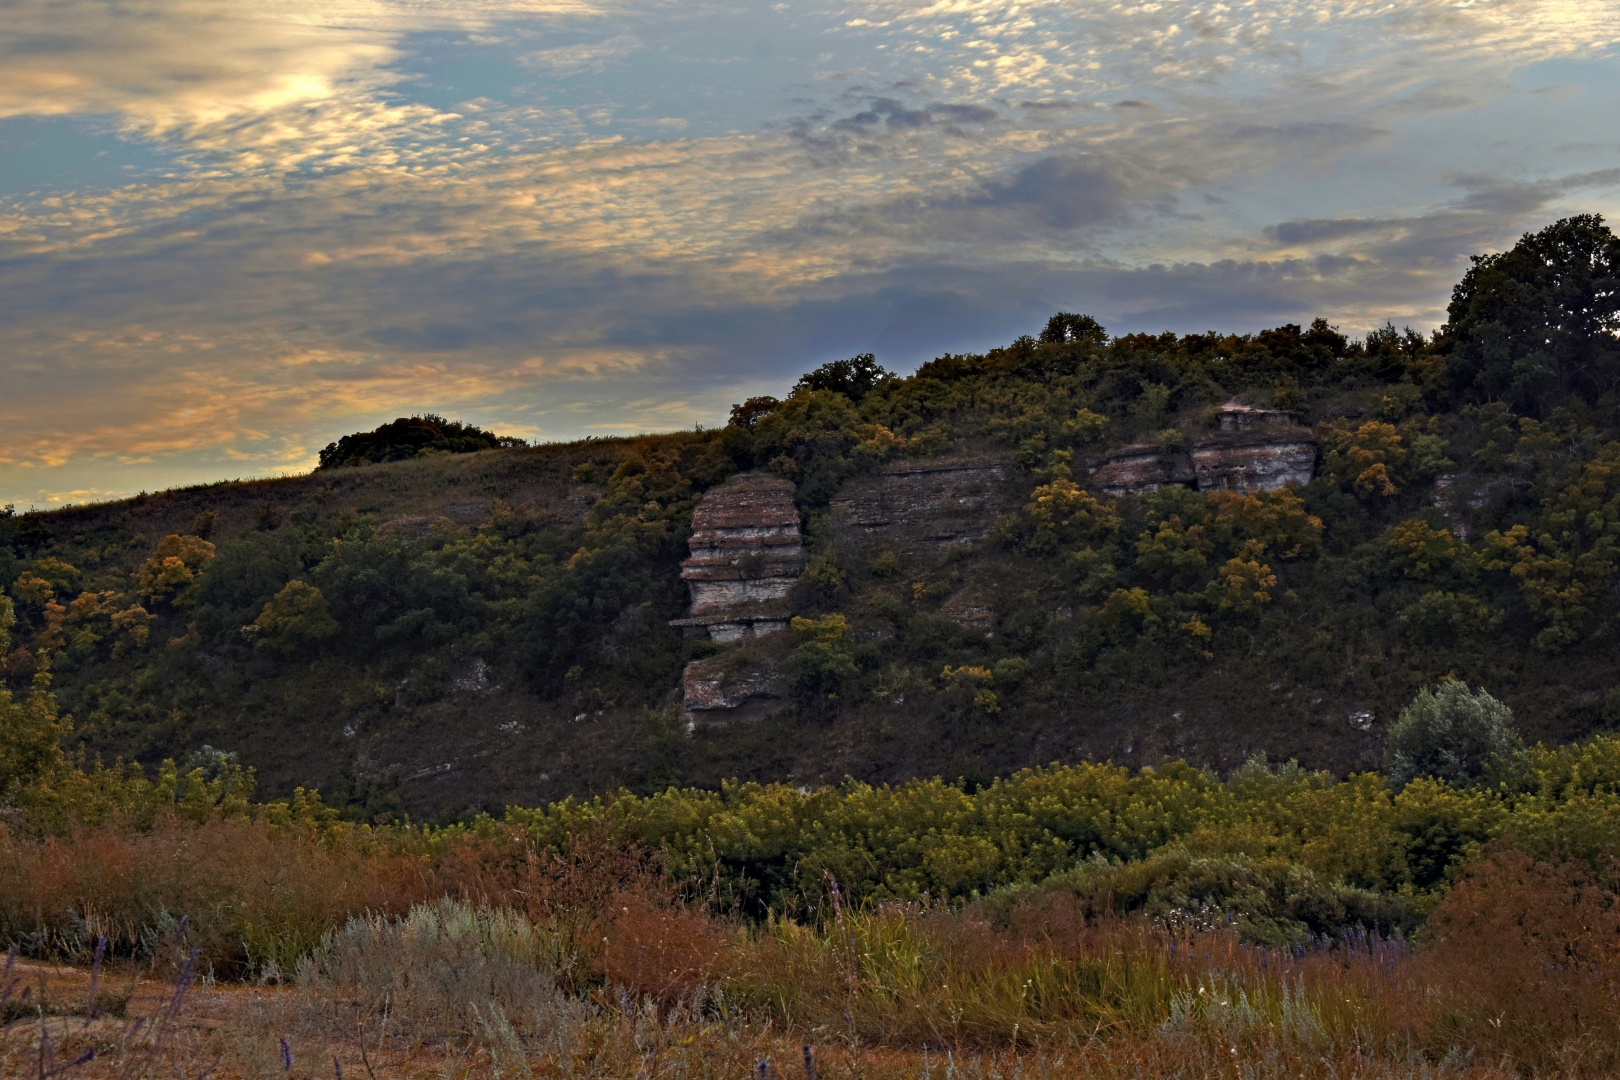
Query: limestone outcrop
x,y
921,508
746,555
717,690
1250,450
1131,470
1253,450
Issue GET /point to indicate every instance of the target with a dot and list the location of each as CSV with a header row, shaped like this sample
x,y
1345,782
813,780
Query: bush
x,y
442,969
297,614
1451,733
825,656
1526,952
1266,901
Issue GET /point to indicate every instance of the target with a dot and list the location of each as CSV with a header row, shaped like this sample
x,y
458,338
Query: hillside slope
x,y
1128,579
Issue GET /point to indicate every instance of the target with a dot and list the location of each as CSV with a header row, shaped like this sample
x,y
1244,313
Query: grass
x,y
590,963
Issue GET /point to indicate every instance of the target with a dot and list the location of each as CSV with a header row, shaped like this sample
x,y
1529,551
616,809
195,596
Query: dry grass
x,y
256,897
492,958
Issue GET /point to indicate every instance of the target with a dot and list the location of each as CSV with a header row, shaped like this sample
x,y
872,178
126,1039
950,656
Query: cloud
x,y
623,240
1305,232
584,57
1061,192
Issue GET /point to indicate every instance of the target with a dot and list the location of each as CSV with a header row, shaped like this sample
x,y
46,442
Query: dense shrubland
x,y
1354,588
1097,922
1457,913
1285,854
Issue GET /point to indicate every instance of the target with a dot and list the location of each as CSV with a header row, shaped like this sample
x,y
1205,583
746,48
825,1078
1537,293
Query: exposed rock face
x,y
718,691
1253,450
1458,495
1236,417
971,610
920,508
746,555
1250,450
1248,461
1131,470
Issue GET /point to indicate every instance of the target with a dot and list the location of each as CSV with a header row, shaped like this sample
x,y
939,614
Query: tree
x,y
409,437
296,615
1364,458
1066,327
1451,733
1537,324
825,656
854,378
173,567
31,731
751,411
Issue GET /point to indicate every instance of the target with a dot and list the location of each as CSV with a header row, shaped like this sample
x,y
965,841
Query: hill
x,y
1204,546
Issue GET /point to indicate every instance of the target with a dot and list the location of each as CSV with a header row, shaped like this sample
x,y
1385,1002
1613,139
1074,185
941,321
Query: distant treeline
x,y
409,437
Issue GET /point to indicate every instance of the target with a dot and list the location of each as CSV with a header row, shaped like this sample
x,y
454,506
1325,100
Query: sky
x,y
233,231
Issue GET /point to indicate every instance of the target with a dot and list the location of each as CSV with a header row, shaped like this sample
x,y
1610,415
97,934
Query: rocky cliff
x,y
1131,470
731,688
1460,497
1253,450
746,555
921,508
1249,450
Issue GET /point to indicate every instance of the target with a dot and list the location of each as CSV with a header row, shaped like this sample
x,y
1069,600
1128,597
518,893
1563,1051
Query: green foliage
x,y
297,615
1451,733
1444,621
824,657
1269,901
1066,327
171,570
969,688
817,438
31,736
1290,850
408,437
854,378
1374,579
1537,324
1564,567
1365,458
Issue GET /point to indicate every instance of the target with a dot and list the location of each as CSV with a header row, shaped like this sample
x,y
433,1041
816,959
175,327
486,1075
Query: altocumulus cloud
x,y
564,217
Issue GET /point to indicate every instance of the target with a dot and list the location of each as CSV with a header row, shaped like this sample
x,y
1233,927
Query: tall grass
x,y
257,897
590,961
905,974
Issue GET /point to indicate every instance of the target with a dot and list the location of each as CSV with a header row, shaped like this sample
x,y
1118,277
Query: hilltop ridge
x,y
1202,546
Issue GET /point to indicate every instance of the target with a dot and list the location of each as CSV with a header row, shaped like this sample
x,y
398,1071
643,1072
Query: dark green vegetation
x,y
488,628
411,437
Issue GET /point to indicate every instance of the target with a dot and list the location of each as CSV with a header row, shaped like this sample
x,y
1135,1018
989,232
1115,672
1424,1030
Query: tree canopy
x,y
411,436
1536,325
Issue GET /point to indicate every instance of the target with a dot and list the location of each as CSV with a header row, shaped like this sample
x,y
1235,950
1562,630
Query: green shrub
x,y
1451,733
825,656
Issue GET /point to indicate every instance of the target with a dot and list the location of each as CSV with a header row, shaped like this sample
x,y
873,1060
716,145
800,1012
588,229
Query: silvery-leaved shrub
x,y
1451,733
445,967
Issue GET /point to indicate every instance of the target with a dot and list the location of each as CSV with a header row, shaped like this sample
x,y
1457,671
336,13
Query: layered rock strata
x,y
971,609
1250,450
1131,470
1250,461
717,691
746,555
921,508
